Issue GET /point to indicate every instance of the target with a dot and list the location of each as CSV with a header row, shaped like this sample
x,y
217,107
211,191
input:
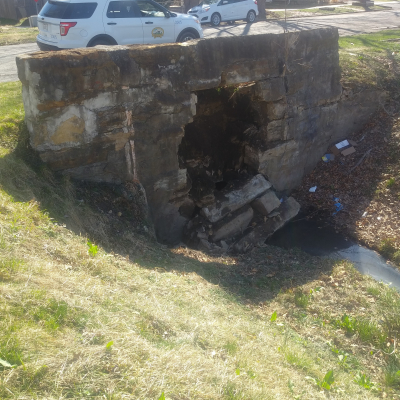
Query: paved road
x,y
348,24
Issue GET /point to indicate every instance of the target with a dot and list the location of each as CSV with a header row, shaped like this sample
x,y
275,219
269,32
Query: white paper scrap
x,y
342,144
313,189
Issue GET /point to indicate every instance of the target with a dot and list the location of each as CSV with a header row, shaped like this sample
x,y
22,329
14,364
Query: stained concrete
x,y
115,114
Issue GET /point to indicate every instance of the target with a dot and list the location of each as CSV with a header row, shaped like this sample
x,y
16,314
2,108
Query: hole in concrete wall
x,y
212,149
230,205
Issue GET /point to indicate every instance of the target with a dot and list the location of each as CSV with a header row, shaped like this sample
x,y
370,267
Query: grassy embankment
x,y
133,319
12,33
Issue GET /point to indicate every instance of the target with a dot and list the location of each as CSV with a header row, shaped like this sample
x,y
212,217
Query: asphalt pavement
x,y
348,24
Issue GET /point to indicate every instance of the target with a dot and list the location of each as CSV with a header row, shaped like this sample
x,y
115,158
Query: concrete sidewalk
x,y
8,68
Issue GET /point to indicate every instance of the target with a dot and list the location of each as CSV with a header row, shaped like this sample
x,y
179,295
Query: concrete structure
x,y
182,118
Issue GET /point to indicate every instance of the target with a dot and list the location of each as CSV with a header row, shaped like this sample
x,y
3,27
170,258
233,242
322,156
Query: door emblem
x,y
157,32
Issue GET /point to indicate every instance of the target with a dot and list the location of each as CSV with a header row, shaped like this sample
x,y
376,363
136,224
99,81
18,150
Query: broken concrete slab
x,y
262,232
266,203
233,225
229,200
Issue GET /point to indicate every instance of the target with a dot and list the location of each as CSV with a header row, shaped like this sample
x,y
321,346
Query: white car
x,y
68,24
216,11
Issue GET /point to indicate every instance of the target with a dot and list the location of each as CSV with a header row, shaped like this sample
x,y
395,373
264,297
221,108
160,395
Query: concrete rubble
x,y
244,216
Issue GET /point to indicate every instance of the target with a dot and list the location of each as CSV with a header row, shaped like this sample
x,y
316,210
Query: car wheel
x,y
251,17
186,36
215,19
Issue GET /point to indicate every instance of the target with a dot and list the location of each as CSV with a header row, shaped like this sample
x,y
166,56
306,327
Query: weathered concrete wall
x,y
117,114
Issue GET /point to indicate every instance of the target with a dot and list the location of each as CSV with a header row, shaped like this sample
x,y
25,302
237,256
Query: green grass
x,y
12,33
371,60
12,114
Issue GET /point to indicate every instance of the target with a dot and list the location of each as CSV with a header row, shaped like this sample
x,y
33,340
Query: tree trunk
x,y
262,15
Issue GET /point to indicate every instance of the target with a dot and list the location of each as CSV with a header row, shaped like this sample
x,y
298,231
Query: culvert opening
x,y
228,200
212,149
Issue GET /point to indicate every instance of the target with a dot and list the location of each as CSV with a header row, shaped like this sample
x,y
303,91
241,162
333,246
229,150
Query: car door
x,y
225,9
122,21
158,26
239,9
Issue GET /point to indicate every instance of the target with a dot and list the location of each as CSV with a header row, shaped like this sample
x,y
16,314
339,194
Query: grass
x,y
371,60
92,307
10,33
11,117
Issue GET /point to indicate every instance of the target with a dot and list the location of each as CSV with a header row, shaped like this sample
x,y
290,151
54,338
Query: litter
x,y
338,206
348,151
365,214
328,157
342,144
312,189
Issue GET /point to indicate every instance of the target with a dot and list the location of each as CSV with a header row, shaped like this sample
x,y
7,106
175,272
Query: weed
x,y
390,183
109,345
231,347
364,381
55,314
9,267
273,317
327,381
347,324
231,392
297,359
93,249
10,351
301,299
369,332
387,248
392,373
373,291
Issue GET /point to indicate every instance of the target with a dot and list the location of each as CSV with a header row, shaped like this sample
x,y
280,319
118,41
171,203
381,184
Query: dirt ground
x,y
366,183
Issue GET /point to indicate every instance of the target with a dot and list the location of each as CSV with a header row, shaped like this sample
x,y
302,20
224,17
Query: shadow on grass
x,y
92,210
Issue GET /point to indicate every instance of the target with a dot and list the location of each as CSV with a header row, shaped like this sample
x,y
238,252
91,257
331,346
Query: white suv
x,y
68,24
215,11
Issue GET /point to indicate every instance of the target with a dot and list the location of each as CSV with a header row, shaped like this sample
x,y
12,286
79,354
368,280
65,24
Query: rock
x,y
266,203
230,200
270,89
262,232
278,163
187,208
204,245
234,225
224,245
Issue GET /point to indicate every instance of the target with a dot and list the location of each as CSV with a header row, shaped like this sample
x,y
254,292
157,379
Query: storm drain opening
x,y
229,201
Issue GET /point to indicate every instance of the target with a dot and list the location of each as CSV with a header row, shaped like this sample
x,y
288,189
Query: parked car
x,y
67,24
216,11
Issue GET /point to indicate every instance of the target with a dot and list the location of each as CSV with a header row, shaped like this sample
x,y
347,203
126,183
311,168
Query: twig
x,y
361,160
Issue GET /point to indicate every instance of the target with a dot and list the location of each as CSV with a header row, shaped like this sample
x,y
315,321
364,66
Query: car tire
x,y
215,19
186,36
251,17
100,42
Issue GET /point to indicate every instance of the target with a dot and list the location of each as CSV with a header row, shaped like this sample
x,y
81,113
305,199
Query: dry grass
x,y
16,35
172,330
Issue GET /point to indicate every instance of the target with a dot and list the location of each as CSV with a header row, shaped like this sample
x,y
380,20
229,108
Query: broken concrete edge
x,y
260,233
